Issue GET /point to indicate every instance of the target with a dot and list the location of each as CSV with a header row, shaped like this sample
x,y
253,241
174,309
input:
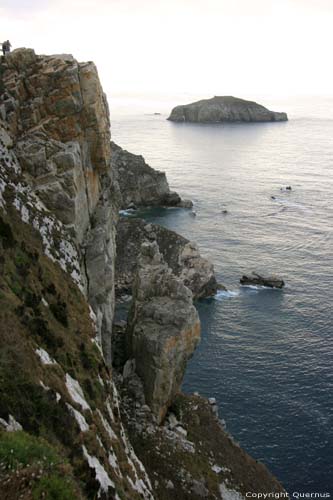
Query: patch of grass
x,y
53,487
59,311
19,449
23,456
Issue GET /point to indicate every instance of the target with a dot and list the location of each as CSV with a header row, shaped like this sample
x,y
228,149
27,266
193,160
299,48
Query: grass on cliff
x,y
31,466
40,306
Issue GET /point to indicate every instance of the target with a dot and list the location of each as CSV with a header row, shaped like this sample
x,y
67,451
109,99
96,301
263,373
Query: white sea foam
x,y
226,294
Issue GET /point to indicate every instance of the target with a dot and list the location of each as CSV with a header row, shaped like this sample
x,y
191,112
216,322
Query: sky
x,y
199,48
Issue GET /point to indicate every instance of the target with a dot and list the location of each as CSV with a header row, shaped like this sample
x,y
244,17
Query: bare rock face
x,y
140,184
163,329
99,259
222,109
180,254
59,121
57,118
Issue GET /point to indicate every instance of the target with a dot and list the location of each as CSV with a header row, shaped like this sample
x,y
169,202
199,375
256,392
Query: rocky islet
x,y
225,109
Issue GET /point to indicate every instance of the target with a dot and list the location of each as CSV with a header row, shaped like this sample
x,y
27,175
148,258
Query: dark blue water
x,y
266,355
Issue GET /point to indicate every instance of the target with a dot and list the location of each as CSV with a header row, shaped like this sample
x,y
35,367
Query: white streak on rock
x,y
45,387
101,474
81,421
107,426
12,425
45,357
76,392
228,494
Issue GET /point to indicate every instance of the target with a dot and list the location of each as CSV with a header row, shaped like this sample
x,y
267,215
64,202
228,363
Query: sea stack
x,y
225,109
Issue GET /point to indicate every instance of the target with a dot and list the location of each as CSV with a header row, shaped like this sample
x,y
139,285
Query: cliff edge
x,y
71,425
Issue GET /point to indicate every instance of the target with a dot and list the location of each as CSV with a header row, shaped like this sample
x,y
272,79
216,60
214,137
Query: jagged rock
x,y
59,120
168,456
224,109
257,280
141,185
99,262
163,329
181,255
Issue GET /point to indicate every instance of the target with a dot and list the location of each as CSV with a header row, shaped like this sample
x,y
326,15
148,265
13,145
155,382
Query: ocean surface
x,y
266,355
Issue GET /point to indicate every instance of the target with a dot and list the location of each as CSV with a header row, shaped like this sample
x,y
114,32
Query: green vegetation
x,y
19,449
29,463
53,487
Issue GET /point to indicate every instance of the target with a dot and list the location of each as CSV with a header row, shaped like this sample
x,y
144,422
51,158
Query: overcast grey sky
x,y
202,47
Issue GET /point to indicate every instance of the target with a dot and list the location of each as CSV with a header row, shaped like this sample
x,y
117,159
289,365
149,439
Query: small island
x,y
225,109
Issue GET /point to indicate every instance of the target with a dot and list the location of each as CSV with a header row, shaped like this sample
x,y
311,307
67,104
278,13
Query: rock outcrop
x,y
58,118
256,279
206,462
163,329
180,254
140,184
224,109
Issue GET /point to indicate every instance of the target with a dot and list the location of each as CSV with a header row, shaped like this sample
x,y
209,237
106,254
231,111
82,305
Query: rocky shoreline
x,y
100,402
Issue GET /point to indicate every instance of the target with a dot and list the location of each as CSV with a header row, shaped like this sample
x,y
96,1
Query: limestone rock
x,y
140,184
58,119
163,329
222,109
181,255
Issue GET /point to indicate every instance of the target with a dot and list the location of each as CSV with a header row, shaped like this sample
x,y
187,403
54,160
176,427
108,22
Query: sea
x,y
265,355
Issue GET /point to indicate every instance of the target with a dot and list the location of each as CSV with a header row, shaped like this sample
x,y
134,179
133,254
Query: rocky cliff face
x,y
224,109
57,116
141,185
163,329
180,254
60,428
62,422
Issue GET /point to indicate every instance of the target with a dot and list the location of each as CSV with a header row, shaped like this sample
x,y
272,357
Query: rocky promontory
x,y
140,184
181,255
163,329
72,426
224,109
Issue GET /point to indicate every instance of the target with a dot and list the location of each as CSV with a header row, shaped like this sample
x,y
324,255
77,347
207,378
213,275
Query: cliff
x,y
65,413
224,109
181,255
141,185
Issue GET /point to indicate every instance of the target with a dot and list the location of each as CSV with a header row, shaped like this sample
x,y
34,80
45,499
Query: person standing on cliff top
x,y
6,47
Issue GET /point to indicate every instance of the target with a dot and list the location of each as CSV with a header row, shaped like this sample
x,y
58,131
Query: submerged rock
x,y
140,184
181,255
257,280
163,329
221,109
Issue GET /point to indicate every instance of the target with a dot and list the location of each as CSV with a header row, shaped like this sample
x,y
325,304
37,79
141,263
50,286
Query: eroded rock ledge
x,y
224,109
181,255
140,184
